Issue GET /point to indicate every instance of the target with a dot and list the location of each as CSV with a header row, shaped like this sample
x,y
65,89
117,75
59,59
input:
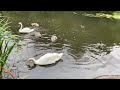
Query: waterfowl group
x,y
46,59
37,34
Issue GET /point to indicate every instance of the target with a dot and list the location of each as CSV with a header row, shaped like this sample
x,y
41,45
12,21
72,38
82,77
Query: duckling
x,y
38,35
54,38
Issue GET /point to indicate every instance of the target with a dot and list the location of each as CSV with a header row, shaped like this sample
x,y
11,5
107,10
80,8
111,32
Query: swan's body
x,y
35,24
25,30
54,38
38,35
46,59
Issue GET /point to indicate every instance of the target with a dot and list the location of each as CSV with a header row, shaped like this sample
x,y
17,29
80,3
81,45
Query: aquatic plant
x,y
7,42
112,15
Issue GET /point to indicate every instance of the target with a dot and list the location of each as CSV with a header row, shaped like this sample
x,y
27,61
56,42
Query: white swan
x,y
46,59
54,38
38,35
35,24
25,30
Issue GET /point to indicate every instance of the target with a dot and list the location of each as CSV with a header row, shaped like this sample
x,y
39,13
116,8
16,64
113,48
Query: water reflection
x,y
86,42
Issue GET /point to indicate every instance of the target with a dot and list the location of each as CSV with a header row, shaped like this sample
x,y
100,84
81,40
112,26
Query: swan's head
x,y
30,63
35,24
19,23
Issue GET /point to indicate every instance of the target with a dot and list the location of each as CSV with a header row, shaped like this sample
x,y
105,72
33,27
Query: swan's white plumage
x,y
54,38
38,35
48,58
35,24
25,30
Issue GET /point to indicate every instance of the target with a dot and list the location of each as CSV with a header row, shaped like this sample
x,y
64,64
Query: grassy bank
x,y
7,42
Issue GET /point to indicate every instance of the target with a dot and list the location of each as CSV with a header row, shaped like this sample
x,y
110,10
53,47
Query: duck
x,y
82,26
54,38
25,30
47,59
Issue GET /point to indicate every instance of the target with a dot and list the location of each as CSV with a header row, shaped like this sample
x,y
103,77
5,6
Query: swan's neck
x,y
34,60
21,26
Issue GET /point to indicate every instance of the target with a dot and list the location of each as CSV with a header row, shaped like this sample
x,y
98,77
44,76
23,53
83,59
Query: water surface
x,y
86,43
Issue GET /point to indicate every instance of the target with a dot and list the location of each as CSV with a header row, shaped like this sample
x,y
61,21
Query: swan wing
x,y
49,58
26,30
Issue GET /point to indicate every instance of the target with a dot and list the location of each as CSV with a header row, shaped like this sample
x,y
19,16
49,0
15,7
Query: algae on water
x,y
114,15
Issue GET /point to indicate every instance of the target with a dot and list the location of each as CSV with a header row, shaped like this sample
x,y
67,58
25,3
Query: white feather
x,y
48,58
24,30
54,38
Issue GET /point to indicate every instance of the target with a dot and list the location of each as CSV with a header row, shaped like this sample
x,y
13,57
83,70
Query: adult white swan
x,y
25,30
46,59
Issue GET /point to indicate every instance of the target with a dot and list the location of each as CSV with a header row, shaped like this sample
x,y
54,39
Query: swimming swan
x,y
35,24
54,38
46,59
25,30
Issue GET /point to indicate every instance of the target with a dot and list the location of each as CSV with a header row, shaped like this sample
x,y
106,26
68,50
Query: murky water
x,y
86,43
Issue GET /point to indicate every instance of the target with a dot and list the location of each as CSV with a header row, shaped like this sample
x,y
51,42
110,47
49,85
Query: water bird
x,y
54,38
74,13
38,35
47,59
35,24
36,27
25,30
82,26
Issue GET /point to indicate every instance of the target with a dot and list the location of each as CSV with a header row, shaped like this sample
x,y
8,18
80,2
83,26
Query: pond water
x,y
86,43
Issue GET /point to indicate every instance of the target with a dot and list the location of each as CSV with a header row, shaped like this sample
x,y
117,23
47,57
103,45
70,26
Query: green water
x,y
68,26
73,29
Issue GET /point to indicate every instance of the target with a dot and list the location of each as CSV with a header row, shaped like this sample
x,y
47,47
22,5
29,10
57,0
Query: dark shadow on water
x,y
30,68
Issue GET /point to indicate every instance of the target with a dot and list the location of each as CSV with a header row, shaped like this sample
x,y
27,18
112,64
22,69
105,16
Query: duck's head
x,y
30,63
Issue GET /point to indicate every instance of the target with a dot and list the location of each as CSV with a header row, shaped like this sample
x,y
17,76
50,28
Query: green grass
x,y
7,42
